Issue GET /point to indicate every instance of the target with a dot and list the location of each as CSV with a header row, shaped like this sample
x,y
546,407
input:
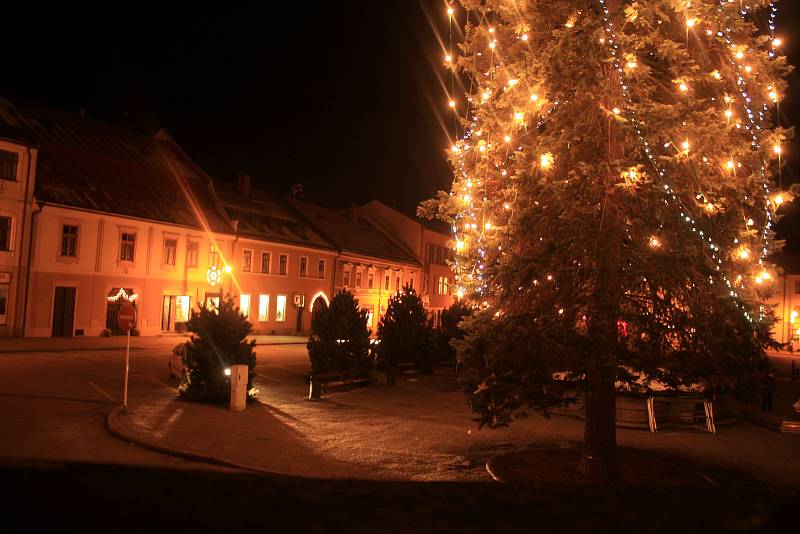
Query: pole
x,y
127,365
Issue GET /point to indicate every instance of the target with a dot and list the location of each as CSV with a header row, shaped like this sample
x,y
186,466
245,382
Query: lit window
x,y
213,256
244,305
127,246
370,309
263,308
69,240
280,308
170,251
303,266
266,259
182,309
191,253
8,165
247,260
283,264
321,269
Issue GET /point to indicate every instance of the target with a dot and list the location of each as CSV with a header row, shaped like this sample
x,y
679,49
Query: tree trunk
x,y
599,458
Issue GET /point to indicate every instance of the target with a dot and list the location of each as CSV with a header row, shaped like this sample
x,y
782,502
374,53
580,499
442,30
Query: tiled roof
x,y
87,164
353,235
268,217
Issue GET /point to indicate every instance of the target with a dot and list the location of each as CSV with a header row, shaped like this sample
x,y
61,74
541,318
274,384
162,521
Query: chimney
x,y
244,184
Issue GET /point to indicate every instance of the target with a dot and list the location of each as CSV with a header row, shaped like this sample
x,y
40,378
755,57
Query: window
x,y
5,233
170,251
69,240
244,305
266,259
387,282
370,280
397,283
425,283
247,260
370,309
346,277
358,278
213,256
8,165
3,304
797,287
127,246
283,264
191,253
442,286
263,308
303,266
280,310
321,269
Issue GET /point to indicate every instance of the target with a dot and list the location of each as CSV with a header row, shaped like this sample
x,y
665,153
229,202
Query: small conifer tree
x,y
404,333
339,337
219,340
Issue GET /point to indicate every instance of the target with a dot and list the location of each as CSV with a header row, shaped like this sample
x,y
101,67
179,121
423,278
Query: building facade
x,y
94,215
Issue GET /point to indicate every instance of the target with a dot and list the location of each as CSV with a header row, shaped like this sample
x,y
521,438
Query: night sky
x,y
342,97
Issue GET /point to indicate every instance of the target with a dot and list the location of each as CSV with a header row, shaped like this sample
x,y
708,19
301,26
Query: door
x,y
63,311
168,314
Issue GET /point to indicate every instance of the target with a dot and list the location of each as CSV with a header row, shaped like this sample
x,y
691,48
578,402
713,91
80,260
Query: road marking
x,y
268,377
282,367
101,390
154,379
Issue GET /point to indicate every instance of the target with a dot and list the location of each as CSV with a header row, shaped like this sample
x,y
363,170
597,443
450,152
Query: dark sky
x,y
342,97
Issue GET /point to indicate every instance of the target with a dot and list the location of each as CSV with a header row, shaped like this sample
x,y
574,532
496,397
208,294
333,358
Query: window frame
x,y
164,256
268,255
263,298
303,262
195,244
285,270
245,297
321,272
346,276
280,313
61,250
14,176
123,246
247,266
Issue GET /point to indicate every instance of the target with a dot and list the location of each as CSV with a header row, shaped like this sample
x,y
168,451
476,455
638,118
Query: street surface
x,y
53,405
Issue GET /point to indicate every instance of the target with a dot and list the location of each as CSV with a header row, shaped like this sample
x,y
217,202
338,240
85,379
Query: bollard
x,y
238,387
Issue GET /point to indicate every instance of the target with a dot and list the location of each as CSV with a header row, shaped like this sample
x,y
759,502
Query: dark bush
x,y
449,330
405,334
219,340
339,337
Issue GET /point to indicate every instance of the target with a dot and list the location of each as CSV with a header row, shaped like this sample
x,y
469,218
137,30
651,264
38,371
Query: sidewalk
x,y
419,430
80,344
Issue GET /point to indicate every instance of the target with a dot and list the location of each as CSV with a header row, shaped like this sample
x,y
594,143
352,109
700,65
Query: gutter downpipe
x,y
18,296
28,270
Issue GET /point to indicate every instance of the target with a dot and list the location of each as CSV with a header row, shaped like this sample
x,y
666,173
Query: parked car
x,y
177,369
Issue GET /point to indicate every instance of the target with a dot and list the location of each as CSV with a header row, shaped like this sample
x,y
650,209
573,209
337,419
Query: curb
x,y
119,431
122,347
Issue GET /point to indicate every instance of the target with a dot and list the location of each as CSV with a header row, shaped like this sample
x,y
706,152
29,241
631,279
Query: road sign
x,y
126,317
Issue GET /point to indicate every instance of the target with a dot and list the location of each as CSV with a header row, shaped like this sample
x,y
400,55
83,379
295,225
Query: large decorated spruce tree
x,y
614,194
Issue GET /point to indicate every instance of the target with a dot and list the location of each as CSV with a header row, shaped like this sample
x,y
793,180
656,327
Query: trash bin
x,y
238,387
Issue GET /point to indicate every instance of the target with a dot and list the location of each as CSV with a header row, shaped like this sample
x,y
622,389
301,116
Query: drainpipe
x,y
19,294
28,270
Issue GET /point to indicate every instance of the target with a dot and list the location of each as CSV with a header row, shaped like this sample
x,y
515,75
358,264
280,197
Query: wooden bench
x,y
680,409
318,383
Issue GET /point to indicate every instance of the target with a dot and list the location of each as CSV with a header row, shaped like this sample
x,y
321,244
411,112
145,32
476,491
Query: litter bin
x,y
238,387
